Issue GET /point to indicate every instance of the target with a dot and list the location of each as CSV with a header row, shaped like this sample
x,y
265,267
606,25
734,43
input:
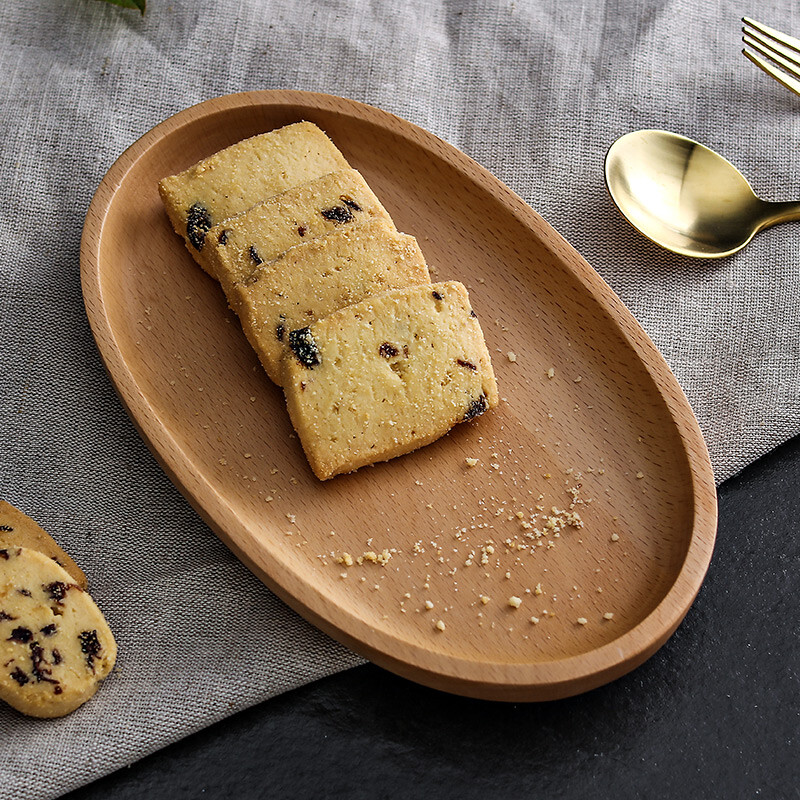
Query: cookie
x,y
55,645
386,376
236,178
312,280
19,530
237,247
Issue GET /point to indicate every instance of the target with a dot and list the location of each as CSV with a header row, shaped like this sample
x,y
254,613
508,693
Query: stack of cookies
x,y
374,359
55,645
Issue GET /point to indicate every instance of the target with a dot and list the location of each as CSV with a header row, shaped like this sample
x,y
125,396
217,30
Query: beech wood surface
x,y
219,428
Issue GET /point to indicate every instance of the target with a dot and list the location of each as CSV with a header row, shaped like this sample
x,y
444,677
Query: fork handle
x,y
779,212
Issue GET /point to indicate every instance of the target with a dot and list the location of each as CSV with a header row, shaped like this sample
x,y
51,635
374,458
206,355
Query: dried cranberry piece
x,y
19,676
90,645
40,671
57,590
476,408
338,214
198,224
23,635
256,258
304,347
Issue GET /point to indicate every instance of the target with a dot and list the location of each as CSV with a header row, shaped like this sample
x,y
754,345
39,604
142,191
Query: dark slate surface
x,y
714,714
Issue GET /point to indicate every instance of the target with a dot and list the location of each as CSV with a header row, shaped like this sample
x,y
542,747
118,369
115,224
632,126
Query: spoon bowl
x,y
685,197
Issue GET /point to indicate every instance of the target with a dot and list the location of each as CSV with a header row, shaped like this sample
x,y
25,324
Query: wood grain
x,y
611,422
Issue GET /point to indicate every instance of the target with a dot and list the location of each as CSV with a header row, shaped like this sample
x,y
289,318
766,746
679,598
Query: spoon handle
x,y
779,212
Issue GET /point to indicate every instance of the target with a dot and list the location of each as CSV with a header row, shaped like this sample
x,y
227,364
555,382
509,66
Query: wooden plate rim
x,y
521,681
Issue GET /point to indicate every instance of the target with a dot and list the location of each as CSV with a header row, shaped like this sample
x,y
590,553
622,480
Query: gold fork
x,y
777,49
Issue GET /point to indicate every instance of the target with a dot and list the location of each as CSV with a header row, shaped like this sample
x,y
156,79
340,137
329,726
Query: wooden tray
x,y
611,428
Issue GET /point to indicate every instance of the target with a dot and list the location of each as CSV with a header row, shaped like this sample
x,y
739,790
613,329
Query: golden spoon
x,y
686,197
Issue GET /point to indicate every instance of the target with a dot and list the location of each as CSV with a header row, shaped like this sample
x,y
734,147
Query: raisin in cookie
x,y
55,645
387,375
20,530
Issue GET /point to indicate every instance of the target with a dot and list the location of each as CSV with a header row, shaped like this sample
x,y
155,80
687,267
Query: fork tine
x,y
784,57
772,49
778,36
793,84
778,48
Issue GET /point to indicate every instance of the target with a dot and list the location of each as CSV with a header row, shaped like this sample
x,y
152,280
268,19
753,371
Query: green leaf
x,y
141,5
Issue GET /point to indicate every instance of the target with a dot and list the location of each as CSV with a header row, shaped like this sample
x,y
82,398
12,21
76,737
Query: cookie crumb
x,y
428,605
608,615
582,621
534,620
551,373
471,462
512,357
514,601
440,626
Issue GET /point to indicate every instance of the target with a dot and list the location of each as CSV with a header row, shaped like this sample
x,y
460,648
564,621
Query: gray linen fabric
x,y
535,90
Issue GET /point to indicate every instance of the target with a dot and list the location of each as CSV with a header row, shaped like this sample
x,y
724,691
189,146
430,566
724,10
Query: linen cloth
x,y
535,90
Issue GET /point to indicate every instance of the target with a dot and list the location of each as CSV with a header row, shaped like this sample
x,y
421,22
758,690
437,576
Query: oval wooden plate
x,y
610,429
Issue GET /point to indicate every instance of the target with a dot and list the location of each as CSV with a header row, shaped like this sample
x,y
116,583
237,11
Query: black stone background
x,y
714,714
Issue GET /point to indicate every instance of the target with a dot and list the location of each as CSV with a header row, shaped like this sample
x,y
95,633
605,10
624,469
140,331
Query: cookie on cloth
x,y
55,645
20,530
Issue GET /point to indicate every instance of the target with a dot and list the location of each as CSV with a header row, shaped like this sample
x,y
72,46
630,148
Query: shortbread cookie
x,y
312,280
55,645
19,530
236,247
387,375
234,179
